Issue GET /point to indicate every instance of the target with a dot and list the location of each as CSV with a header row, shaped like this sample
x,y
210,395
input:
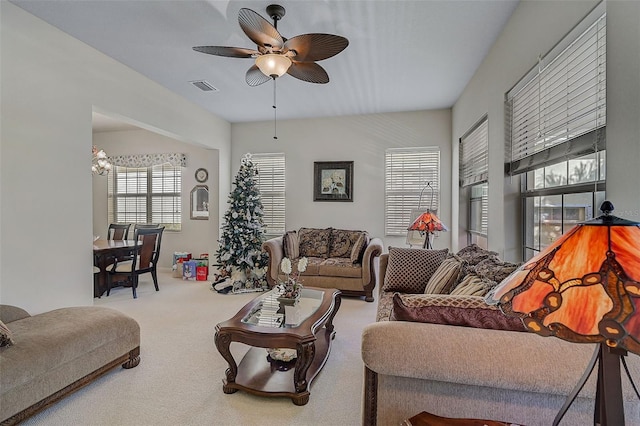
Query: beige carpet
x,y
179,379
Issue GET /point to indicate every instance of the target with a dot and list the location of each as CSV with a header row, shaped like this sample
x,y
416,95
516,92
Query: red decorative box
x,y
201,273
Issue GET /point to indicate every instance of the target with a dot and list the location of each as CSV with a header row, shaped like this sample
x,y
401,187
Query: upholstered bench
x,y
52,354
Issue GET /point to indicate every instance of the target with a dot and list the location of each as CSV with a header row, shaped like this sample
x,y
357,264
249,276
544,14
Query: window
x,y
146,195
560,196
558,110
474,175
556,123
271,184
407,172
479,209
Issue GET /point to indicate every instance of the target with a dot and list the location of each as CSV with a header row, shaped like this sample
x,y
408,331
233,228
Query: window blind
x,y
271,184
554,111
474,154
146,195
407,171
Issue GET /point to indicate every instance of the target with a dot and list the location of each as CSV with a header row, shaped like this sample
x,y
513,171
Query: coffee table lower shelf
x,y
259,376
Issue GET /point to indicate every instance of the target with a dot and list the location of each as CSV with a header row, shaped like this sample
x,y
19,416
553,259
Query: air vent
x,y
203,85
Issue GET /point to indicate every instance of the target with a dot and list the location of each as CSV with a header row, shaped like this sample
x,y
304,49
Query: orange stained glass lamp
x,y
427,223
585,288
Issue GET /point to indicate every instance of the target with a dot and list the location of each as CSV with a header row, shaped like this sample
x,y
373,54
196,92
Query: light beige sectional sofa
x,y
338,258
55,353
463,371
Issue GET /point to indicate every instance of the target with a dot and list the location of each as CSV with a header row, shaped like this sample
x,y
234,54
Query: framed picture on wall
x,y
333,181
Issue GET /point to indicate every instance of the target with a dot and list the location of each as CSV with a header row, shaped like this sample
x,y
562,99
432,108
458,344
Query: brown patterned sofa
x,y
452,355
47,356
338,258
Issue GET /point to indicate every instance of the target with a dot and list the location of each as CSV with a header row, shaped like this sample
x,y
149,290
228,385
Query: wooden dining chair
x,y
145,225
118,231
145,260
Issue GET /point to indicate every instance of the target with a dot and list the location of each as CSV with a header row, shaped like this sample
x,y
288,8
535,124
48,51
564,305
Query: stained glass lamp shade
x,y
427,223
585,288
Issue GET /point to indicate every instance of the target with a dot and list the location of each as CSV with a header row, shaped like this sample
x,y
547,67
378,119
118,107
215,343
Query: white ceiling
x,y
402,55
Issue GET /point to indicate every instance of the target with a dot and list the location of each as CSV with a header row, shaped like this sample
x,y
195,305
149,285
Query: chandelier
x,y
100,164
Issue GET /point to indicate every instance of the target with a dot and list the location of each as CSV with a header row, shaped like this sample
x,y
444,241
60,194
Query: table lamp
x,y
427,223
585,288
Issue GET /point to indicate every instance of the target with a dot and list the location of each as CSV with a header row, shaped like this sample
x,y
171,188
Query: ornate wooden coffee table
x,y
310,334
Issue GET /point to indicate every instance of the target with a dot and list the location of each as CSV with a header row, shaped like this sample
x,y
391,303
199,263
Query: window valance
x,y
149,160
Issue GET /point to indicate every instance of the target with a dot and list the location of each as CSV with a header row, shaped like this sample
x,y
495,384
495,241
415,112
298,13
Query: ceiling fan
x,y
276,55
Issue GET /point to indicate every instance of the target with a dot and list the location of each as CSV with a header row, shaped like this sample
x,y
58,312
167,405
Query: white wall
x,y
534,28
623,107
50,84
196,236
362,139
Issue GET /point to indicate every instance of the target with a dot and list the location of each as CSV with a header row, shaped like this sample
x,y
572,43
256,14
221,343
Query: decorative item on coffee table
x,y
291,287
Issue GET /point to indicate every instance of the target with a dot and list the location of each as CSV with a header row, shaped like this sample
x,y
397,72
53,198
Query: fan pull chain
x,y
275,114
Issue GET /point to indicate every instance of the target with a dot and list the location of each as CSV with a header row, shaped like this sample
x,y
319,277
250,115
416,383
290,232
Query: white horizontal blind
x,y
407,171
146,195
563,99
271,184
166,190
474,154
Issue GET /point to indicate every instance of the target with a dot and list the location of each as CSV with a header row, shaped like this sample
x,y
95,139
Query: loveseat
x,y
338,258
47,356
485,366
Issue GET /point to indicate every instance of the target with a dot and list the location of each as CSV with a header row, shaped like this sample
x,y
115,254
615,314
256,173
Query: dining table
x,y
105,253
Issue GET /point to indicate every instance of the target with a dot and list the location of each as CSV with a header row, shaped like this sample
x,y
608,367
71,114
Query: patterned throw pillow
x,y
473,254
446,276
6,338
358,248
466,311
473,285
409,270
314,242
494,269
290,245
342,242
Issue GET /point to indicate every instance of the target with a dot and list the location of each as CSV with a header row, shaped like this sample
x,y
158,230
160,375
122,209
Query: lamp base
x,y
609,407
427,241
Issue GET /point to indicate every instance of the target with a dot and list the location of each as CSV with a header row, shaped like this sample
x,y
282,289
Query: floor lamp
x,y
427,223
585,288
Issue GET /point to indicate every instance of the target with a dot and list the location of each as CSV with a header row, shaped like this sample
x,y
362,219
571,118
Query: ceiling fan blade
x,y
255,77
316,47
308,71
259,30
231,52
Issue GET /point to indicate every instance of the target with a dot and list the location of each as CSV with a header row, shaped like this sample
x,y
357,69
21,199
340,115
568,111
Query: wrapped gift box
x,y
181,255
202,273
189,270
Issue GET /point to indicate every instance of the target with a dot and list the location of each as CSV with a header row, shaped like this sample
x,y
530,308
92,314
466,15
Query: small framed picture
x,y
333,181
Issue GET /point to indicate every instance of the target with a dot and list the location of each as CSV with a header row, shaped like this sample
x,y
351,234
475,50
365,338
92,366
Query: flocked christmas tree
x,y
240,252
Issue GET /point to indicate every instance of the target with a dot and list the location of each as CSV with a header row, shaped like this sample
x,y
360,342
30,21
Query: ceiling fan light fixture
x,y
273,64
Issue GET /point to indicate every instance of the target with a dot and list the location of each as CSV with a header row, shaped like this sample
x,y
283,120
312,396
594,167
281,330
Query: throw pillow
x,y
314,242
473,285
473,253
358,248
290,245
6,338
495,269
409,270
465,311
342,242
444,278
